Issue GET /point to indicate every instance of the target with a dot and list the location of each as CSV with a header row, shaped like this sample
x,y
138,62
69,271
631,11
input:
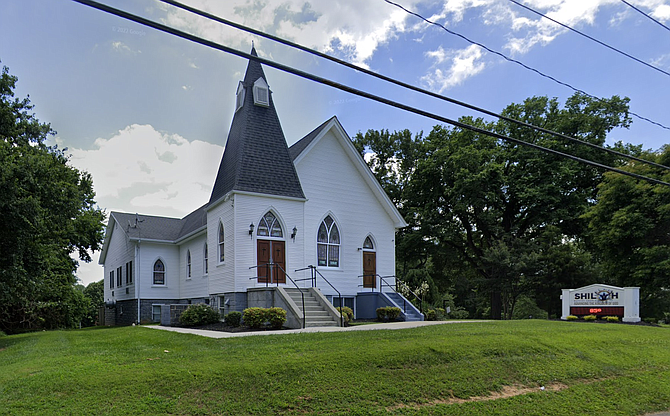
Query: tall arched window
x,y
188,263
222,239
269,226
328,243
159,272
205,260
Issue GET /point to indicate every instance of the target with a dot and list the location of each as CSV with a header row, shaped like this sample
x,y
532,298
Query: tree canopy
x,y
492,220
47,213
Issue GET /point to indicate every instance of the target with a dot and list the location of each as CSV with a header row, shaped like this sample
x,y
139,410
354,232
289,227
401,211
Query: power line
x,y
619,51
645,14
351,90
507,58
397,82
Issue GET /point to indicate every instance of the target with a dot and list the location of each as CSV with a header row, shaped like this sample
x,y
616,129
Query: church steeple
x,y
256,157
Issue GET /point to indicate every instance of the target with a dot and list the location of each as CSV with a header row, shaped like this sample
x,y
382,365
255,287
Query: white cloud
x,y
662,13
352,28
140,169
463,64
121,47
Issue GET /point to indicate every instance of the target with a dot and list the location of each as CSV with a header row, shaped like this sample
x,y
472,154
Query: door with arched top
x,y
270,251
369,264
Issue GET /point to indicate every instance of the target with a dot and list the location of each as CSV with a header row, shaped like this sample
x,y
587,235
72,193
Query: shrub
x,y
393,312
276,317
526,308
234,318
199,314
254,317
612,318
590,318
347,312
2,334
430,315
571,318
440,313
381,313
459,313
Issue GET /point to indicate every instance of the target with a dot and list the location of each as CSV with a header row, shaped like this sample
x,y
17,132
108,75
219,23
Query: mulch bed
x,y
221,326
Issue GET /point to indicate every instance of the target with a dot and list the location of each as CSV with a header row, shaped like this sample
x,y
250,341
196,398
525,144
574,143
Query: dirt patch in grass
x,y
507,391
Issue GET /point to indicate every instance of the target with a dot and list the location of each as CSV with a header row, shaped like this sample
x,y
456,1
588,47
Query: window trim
x,y
119,276
189,265
205,260
328,244
164,272
221,243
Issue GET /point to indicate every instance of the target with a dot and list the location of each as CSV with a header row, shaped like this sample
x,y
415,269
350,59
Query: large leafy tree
x,y
47,213
630,232
502,213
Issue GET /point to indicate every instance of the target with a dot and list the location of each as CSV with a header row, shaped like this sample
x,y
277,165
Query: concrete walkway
x,y
369,327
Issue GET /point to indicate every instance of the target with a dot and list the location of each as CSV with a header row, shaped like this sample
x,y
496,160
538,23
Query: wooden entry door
x,y
369,269
271,261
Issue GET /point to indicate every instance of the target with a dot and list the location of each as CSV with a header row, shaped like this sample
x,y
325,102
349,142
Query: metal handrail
x,y
313,276
268,276
382,281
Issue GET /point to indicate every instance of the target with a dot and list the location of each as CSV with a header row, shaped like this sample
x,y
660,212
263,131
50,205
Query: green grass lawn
x,y
602,369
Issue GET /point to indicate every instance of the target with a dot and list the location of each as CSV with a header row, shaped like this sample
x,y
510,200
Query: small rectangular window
x,y
111,279
156,313
119,280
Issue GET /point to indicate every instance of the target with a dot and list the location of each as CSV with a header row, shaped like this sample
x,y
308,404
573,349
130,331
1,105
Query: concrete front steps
x,y
318,311
409,311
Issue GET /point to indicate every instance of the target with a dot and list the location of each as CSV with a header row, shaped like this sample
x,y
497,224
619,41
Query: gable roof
x,y
304,145
256,157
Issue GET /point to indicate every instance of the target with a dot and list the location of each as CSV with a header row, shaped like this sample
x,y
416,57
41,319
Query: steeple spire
x,y
256,157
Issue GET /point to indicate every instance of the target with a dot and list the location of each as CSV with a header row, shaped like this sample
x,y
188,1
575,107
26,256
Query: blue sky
x,y
147,114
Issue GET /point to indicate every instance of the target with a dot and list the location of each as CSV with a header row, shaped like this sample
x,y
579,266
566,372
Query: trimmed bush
x,y
276,317
571,318
590,318
393,312
199,314
347,312
2,334
234,319
254,317
381,314
459,313
612,318
430,315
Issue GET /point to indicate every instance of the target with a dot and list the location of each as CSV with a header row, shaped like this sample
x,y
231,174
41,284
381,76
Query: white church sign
x,y
602,300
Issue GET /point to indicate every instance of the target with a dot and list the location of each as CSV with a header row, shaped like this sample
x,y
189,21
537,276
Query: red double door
x,y
271,261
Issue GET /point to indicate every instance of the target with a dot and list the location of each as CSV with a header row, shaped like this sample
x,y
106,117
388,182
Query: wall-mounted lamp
x,y
295,231
251,229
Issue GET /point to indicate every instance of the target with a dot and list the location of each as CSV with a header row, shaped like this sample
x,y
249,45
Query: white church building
x,y
310,216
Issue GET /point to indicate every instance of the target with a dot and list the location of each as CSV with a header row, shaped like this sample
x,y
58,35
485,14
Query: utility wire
x,y
645,14
400,83
505,57
342,87
619,51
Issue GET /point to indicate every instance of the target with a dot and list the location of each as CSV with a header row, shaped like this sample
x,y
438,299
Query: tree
x,y
499,210
630,232
47,212
94,294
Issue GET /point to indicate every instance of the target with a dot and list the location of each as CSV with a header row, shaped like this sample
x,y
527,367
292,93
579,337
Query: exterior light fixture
x,y
251,229
295,231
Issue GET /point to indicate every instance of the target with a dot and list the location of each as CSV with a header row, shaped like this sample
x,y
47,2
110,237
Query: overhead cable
x,y
619,51
645,14
351,90
398,82
507,58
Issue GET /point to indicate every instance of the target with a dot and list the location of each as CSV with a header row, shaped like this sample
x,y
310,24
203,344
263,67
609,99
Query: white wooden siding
x,y
119,251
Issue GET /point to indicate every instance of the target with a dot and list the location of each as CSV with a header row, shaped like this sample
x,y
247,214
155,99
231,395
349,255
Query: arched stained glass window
x,y
269,226
159,272
206,260
222,239
368,244
328,243
188,263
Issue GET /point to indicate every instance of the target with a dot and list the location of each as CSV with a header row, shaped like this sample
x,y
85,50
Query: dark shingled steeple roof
x,y
256,157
